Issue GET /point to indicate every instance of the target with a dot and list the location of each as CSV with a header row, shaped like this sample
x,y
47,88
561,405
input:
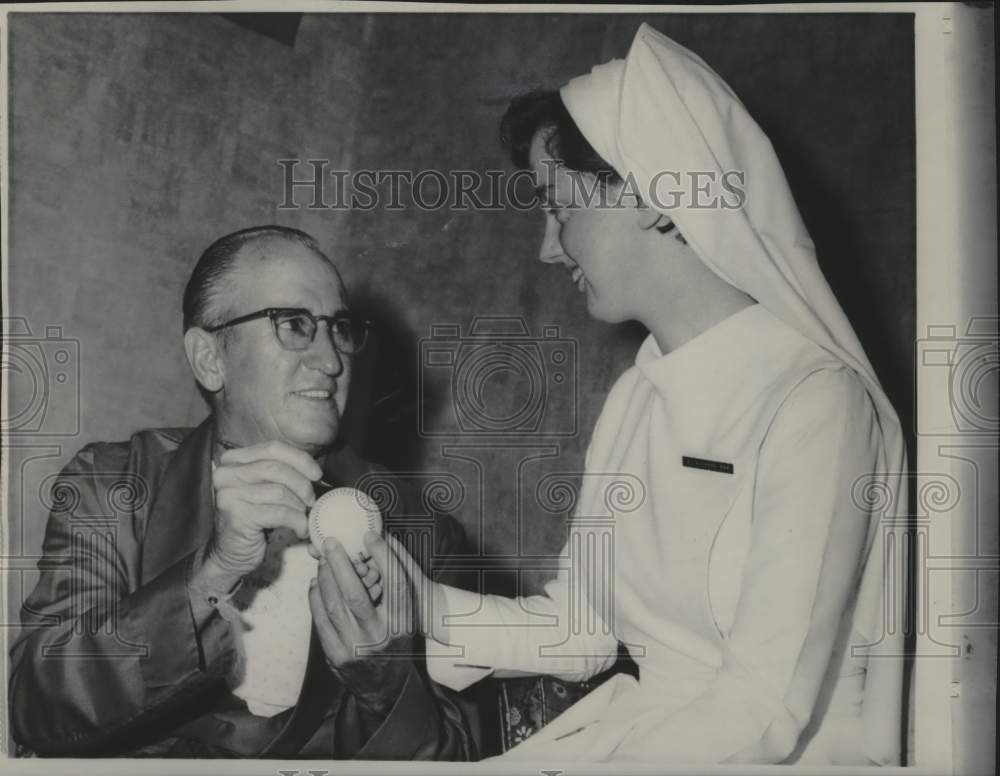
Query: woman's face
x,y
587,233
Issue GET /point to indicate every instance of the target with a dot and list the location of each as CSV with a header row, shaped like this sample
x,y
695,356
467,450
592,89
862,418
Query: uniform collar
x,y
733,354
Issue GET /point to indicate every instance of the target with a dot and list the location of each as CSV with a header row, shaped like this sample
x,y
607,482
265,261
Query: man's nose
x,y
322,355
551,251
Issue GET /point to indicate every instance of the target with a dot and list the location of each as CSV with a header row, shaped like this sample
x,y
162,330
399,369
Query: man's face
x,y
270,393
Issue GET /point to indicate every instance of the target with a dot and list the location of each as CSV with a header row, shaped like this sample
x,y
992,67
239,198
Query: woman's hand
x,y
430,604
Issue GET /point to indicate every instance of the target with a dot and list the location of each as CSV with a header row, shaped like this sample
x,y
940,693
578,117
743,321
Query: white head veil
x,y
664,109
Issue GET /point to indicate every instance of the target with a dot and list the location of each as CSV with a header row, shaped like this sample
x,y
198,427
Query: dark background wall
x,y
138,139
834,93
135,140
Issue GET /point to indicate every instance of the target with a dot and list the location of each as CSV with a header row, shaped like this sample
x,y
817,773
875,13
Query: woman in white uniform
x,y
744,574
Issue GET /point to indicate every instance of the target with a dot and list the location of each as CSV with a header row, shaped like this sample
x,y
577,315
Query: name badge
x,y
720,467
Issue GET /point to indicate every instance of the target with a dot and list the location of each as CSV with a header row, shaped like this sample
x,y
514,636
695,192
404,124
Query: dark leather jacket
x,y
110,659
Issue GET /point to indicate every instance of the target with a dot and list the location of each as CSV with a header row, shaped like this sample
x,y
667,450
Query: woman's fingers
x,y
397,598
428,596
401,560
372,577
367,572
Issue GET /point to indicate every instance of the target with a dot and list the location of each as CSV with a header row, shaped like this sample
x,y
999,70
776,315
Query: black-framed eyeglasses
x,y
296,327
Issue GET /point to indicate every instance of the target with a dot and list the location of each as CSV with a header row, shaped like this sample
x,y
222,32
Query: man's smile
x,y
314,394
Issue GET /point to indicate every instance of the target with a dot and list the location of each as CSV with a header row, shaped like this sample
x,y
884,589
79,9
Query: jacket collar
x,y
182,516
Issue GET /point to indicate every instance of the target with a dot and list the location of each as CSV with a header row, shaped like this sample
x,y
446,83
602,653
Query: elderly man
x,y
132,639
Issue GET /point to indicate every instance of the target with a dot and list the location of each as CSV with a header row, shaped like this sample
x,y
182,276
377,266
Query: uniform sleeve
x,y
802,570
563,633
98,665
488,635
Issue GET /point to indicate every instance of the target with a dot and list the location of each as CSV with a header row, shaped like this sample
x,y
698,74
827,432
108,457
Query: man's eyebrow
x,y
337,313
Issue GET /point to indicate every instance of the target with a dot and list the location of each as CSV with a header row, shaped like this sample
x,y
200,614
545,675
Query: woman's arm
x,y
471,635
803,567
488,635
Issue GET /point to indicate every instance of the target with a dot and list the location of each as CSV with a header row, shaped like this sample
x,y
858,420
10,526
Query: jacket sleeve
x,y
427,721
99,663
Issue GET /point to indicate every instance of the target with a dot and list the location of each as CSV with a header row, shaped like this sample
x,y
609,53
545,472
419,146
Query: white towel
x,y
272,636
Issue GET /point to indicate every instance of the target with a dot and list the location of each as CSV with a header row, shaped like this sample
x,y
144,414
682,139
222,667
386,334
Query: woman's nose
x,y
551,251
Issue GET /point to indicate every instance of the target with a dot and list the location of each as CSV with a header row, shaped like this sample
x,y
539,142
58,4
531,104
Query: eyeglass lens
x,y
296,331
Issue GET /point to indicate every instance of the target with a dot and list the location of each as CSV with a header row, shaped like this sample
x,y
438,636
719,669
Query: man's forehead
x,y
280,267
275,246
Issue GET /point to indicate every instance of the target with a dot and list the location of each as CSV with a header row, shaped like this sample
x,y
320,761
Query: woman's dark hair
x,y
545,111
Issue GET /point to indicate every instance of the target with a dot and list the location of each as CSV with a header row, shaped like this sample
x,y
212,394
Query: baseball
x,y
344,514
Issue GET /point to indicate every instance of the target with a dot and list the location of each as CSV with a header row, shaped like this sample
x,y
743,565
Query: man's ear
x,y
204,355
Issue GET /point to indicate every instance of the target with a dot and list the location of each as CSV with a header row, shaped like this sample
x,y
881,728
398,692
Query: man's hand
x,y
367,645
257,488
